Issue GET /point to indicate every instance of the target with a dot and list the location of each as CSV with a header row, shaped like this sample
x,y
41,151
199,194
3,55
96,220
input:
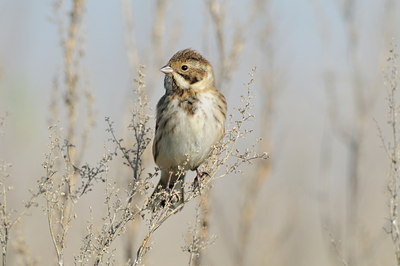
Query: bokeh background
x,y
321,198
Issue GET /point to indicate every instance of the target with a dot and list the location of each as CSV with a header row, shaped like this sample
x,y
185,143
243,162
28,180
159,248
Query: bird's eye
x,y
184,67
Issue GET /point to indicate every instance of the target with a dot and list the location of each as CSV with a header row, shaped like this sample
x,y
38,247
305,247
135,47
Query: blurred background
x,y
321,198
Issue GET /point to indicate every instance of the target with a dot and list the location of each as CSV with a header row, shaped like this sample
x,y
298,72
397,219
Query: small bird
x,y
190,120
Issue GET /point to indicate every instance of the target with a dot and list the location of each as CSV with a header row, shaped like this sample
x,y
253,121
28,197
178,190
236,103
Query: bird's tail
x,y
172,197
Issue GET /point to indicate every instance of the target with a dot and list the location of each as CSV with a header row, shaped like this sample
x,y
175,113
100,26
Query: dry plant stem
x,y
158,30
226,150
131,48
133,60
228,57
90,115
354,144
131,235
54,101
392,150
51,187
4,215
205,36
59,248
139,126
218,18
248,210
263,172
23,251
59,224
164,216
125,155
236,131
158,36
353,138
7,220
117,218
199,232
249,206
336,247
71,79
205,206
5,224
121,212
114,230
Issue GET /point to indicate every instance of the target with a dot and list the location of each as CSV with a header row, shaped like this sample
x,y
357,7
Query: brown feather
x,y
190,116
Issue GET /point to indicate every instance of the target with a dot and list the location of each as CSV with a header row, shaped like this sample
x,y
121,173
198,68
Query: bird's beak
x,y
166,69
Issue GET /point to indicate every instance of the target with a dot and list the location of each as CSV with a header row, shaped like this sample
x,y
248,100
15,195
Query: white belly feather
x,y
191,136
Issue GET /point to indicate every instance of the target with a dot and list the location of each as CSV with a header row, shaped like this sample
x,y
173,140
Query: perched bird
x,y
190,120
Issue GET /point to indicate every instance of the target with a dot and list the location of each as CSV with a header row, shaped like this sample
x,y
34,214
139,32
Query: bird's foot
x,y
197,180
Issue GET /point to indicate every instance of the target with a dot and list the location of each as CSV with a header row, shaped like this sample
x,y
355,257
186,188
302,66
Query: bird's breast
x,y
187,129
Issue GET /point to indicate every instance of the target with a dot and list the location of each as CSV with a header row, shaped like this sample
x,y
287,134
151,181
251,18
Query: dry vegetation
x,y
101,204
66,180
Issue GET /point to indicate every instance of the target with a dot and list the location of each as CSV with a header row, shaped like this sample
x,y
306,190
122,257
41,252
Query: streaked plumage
x,y
190,118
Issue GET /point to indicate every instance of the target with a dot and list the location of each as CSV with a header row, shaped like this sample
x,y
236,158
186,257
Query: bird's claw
x,y
197,181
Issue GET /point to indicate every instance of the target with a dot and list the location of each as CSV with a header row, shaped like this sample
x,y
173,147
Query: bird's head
x,y
189,70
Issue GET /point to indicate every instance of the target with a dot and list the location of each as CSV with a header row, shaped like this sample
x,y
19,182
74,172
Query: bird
x,y
190,120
